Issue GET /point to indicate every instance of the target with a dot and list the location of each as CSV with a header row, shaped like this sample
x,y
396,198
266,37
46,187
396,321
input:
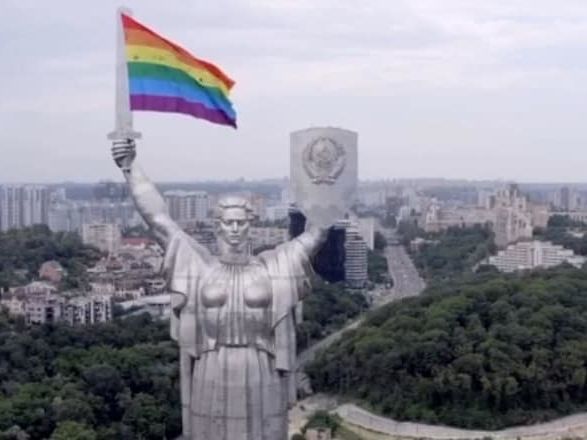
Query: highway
x,y
406,280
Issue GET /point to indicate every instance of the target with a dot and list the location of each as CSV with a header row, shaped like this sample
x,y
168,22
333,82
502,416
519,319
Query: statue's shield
x,y
323,173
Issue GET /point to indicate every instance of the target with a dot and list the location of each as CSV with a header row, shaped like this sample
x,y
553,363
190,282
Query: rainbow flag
x,y
166,78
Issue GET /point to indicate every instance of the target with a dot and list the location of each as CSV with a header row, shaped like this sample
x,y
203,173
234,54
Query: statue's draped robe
x,y
237,362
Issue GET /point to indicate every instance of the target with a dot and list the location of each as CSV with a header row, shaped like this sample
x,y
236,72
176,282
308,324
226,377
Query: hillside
x,y
112,381
486,352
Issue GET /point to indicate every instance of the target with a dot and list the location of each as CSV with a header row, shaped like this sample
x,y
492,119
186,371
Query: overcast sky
x,y
472,89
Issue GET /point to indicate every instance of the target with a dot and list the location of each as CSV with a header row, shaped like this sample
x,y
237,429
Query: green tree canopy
x,y
73,431
486,352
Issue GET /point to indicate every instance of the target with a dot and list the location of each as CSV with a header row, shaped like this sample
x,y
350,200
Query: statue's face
x,y
233,226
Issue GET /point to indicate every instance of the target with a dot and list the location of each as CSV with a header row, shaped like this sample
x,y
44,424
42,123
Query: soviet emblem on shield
x,y
324,160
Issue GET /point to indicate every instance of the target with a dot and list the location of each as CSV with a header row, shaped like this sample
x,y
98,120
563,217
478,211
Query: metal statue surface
x,y
324,160
236,315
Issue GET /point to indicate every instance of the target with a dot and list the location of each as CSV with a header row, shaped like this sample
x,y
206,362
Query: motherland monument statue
x,y
234,314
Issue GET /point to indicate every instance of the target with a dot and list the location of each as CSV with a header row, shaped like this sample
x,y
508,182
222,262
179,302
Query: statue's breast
x,y
216,288
245,284
257,287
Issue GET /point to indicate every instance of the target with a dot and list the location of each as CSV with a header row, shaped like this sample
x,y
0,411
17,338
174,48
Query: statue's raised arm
x,y
147,198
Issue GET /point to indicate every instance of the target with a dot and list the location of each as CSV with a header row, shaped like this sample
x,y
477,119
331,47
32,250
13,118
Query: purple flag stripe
x,y
179,105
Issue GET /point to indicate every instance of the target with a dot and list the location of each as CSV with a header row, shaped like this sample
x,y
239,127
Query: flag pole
x,y
123,128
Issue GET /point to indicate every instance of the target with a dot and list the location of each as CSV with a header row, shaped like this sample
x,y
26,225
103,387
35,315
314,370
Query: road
x,y
571,427
406,280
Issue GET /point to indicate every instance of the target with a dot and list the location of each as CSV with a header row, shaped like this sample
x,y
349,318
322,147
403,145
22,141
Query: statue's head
x,y
233,219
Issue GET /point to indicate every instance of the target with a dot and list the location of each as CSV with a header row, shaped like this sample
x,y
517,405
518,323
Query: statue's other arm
x,y
147,198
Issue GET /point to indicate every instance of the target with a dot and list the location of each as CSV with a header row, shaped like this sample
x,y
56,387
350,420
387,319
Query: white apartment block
x,y
513,218
43,308
48,308
511,225
85,310
104,236
70,215
438,219
13,303
355,263
185,206
533,254
23,205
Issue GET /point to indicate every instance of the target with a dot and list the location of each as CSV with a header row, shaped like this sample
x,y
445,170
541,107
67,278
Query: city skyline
x,y
456,89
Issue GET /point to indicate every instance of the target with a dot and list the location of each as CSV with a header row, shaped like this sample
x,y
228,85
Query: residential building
x,y
14,303
510,214
23,205
60,217
91,309
51,271
34,288
513,219
187,206
533,254
71,215
540,215
104,236
355,264
438,218
568,199
43,308
404,213
486,199
578,216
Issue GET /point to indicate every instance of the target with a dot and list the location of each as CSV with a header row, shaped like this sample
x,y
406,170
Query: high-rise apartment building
x,y
70,215
513,218
568,199
355,249
104,236
23,205
187,206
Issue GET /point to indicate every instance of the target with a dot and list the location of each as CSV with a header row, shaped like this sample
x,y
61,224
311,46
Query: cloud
x,y
312,60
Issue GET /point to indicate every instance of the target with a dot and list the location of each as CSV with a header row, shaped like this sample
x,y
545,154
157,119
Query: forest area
x,y
22,251
485,352
110,381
